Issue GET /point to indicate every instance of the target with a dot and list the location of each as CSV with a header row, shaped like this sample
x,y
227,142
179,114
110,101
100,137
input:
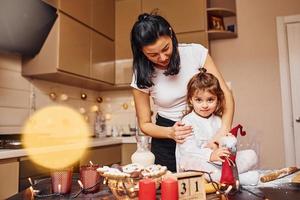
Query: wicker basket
x,y
124,188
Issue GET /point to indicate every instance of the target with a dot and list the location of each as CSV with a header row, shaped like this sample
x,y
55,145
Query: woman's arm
x,y
142,106
227,116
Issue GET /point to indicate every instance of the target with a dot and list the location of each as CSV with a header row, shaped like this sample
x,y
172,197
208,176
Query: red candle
x,y
169,189
147,190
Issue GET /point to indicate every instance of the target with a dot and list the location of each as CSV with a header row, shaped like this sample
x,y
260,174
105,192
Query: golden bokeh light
x,y
55,137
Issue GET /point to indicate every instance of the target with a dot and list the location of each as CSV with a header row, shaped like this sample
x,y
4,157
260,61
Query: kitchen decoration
x,y
83,96
99,99
52,96
216,23
125,106
190,186
229,175
63,97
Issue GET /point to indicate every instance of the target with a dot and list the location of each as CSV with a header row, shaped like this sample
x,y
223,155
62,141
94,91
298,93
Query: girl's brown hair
x,y
205,82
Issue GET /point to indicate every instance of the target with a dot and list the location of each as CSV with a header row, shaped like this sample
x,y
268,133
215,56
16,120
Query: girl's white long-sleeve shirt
x,y
195,145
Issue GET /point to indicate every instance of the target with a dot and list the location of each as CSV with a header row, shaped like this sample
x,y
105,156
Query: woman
x,y
162,69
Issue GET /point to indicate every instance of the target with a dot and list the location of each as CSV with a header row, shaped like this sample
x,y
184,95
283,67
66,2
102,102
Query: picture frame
x,y
216,23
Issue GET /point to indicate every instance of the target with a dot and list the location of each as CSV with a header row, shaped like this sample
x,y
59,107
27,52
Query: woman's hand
x,y
217,154
179,132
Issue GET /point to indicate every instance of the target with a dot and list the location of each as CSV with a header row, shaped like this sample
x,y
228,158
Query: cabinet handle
x,y
298,119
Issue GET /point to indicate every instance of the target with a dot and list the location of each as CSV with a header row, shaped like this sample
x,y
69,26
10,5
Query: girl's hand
x,y
179,132
218,136
212,145
218,153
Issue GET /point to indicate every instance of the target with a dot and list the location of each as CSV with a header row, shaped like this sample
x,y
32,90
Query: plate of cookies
x,y
123,181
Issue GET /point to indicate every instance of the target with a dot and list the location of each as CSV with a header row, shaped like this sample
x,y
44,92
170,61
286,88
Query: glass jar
x,y
143,155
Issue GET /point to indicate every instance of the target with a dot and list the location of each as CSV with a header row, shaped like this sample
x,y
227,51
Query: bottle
x,y
143,155
100,125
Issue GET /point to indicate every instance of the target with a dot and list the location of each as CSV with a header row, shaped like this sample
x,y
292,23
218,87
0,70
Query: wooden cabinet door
x,y
103,17
103,59
9,173
199,37
127,151
74,48
127,12
183,16
106,155
79,9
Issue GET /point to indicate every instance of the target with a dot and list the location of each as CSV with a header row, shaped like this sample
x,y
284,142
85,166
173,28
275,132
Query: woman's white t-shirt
x,y
169,92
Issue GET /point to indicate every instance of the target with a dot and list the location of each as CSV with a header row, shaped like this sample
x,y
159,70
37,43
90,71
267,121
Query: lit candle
x,y
228,189
147,190
80,184
237,185
31,192
169,189
59,188
30,181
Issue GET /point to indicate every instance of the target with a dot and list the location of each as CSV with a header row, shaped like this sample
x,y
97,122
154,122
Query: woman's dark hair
x,y
146,30
205,82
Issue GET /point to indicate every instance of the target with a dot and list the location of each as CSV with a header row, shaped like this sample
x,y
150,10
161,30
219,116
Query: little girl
x,y
200,151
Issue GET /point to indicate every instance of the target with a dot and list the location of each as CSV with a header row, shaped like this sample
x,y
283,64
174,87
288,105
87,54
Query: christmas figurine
x,y
229,174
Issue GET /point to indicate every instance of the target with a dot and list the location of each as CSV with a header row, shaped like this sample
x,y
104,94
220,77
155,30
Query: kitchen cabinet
x,y
127,151
187,18
74,47
72,54
223,11
127,12
103,56
79,9
9,173
105,155
96,14
103,17
199,37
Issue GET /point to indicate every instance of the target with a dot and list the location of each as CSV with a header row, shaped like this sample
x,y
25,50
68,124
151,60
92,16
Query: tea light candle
x,y
169,189
147,190
61,181
59,188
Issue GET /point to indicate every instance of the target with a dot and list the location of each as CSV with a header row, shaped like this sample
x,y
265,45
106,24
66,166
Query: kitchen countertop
x,y
94,142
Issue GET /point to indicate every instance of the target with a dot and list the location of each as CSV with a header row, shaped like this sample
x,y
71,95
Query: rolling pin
x,y
278,174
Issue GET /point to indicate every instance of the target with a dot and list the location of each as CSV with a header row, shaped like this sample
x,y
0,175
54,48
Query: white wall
x,y
251,63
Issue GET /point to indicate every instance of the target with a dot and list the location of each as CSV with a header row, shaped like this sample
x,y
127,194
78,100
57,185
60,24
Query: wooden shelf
x,y
222,12
217,34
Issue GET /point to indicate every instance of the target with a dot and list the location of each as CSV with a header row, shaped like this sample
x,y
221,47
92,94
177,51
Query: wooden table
x,y
283,192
